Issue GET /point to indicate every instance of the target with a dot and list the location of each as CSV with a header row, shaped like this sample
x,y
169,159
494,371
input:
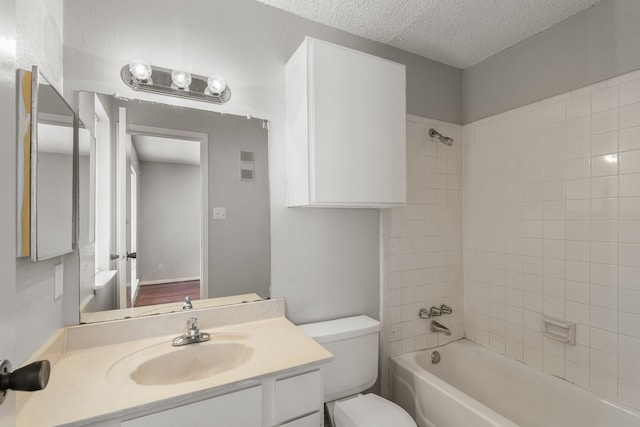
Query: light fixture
x,y
181,79
216,85
137,75
141,70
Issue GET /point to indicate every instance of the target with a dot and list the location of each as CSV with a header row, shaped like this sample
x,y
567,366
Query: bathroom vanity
x,y
257,369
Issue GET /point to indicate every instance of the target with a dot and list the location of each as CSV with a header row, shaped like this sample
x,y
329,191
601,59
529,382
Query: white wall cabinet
x,y
346,120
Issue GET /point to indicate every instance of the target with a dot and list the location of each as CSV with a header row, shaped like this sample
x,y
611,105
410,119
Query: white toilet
x,y
354,344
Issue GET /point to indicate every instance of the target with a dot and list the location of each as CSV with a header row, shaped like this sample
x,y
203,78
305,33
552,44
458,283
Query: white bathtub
x,y
474,386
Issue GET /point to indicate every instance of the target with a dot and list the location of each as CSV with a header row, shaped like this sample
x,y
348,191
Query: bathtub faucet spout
x,y
439,327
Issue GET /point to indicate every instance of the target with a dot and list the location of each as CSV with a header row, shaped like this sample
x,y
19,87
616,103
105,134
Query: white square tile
x,y
554,307
579,127
629,254
630,116
629,370
629,347
604,341
555,113
580,106
578,354
577,271
603,165
605,121
578,209
577,374
553,365
554,229
630,92
605,99
577,230
630,139
630,185
604,187
604,274
604,318
604,231
603,384
629,324
604,143
603,362
533,357
578,168
580,147
630,162
577,292
629,393
515,350
629,301
604,252
630,231
581,189
577,312
603,209
604,296
629,277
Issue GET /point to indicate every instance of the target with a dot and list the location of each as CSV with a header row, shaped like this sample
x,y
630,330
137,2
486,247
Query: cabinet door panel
x,y
313,420
358,140
239,409
299,395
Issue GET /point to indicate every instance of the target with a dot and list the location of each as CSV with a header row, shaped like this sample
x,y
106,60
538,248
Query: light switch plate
x,y
219,213
58,281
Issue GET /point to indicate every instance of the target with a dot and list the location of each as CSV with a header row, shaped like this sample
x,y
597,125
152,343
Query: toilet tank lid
x,y
340,329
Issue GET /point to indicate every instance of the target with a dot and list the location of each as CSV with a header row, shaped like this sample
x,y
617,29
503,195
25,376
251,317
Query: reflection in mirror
x,y
51,173
181,209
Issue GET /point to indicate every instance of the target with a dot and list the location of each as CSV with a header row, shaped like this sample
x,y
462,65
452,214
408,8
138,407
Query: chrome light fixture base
x,y
160,82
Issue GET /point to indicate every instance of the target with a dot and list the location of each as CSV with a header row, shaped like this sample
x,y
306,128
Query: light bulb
x,y
141,70
216,85
181,79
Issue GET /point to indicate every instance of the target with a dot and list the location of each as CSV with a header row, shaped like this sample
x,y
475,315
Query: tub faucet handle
x,y
428,314
445,309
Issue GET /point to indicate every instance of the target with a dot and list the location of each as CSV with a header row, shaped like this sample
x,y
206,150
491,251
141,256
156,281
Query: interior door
x,y
123,207
134,232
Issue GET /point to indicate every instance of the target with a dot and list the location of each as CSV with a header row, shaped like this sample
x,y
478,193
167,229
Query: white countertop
x,y
81,386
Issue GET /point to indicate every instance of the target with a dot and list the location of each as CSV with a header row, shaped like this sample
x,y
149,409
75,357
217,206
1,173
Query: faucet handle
x,y
428,314
192,323
445,309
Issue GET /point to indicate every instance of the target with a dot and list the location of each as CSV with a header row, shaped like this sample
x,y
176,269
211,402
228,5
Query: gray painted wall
x,y
324,261
596,44
168,221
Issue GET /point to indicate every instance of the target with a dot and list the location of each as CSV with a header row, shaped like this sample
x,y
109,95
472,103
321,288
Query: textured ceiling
x,y
456,32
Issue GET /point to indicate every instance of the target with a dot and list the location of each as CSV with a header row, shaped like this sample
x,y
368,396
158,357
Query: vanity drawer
x,y
239,409
313,420
298,395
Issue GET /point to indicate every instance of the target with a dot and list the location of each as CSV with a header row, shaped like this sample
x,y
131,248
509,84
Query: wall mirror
x,y
180,207
46,165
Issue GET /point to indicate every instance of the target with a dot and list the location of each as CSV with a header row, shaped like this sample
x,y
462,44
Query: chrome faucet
x,y
186,305
192,336
440,328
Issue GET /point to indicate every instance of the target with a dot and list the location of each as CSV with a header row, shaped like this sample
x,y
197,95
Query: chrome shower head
x,y
444,139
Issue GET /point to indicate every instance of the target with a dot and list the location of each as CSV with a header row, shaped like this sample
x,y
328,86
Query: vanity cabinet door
x,y
297,396
239,409
313,420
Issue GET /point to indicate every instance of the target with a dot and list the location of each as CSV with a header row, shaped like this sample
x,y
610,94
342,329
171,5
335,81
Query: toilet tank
x,y
354,343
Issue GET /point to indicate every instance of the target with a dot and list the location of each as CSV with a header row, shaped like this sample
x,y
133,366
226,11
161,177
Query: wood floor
x,y
167,292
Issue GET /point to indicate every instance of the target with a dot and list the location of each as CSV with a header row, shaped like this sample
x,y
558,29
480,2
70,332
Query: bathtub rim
x,y
409,359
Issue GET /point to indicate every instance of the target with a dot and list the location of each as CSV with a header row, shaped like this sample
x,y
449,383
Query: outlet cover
x,y
219,213
58,281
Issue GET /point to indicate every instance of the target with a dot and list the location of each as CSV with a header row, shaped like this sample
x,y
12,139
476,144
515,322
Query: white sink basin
x,y
163,364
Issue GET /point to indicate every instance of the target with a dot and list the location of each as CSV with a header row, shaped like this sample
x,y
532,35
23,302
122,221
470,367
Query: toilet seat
x,y
370,410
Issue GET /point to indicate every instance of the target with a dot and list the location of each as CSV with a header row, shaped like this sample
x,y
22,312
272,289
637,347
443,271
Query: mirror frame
x,y
33,249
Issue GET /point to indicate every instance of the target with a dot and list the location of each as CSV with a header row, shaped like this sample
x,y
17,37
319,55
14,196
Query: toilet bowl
x,y
354,369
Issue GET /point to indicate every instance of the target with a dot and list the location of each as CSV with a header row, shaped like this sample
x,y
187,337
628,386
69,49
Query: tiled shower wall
x,y
552,227
422,244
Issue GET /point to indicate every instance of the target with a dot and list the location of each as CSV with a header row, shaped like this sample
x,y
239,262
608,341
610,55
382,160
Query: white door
x,y
123,208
